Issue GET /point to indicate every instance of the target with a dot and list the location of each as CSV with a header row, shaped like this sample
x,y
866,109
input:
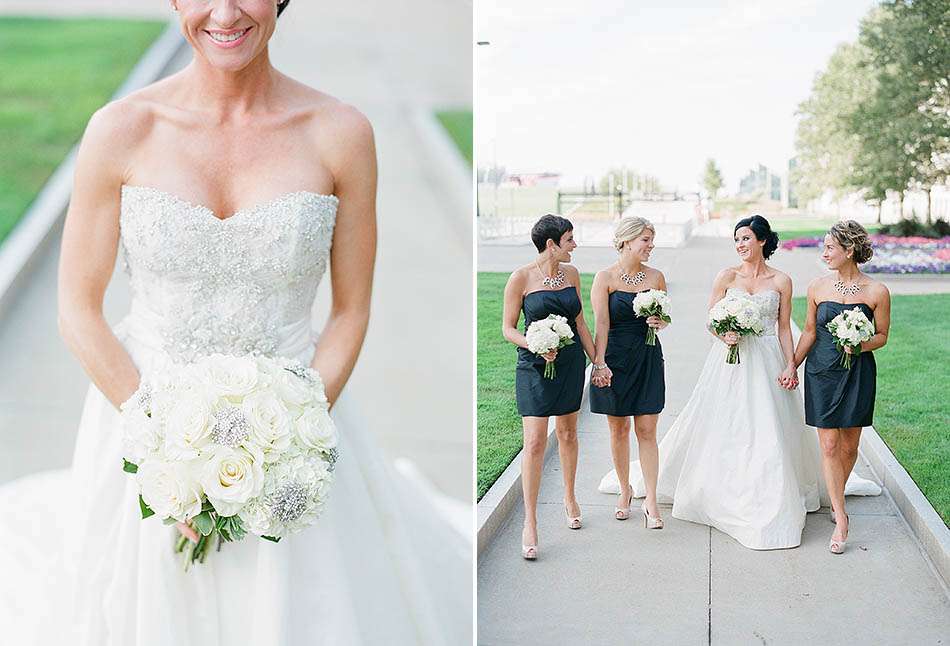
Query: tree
x,y
906,121
712,178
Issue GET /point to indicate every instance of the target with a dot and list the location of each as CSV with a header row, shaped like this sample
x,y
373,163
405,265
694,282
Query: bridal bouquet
x,y
552,333
652,302
735,314
850,328
231,445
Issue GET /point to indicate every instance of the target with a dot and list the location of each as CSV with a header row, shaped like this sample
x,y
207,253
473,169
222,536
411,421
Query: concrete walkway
x,y
412,393
617,583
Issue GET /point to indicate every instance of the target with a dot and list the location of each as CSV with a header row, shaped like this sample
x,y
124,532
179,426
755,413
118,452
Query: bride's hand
x,y
730,338
187,531
656,322
788,379
550,356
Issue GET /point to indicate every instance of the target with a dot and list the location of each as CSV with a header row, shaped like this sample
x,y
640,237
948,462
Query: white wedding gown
x,y
78,565
739,456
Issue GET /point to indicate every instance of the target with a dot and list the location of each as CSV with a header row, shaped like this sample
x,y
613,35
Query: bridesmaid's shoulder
x,y
819,283
570,271
877,290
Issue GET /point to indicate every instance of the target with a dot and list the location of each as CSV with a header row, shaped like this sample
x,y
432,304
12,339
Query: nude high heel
x,y
623,513
651,522
573,522
836,546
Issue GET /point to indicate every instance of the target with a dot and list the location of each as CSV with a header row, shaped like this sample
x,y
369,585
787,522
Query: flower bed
x,y
897,255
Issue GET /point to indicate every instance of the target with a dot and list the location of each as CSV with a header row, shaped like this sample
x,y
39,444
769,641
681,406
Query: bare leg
x,y
835,478
566,428
620,450
532,460
645,427
848,453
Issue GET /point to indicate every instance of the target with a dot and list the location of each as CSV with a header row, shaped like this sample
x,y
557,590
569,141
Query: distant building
x,y
761,182
790,196
533,179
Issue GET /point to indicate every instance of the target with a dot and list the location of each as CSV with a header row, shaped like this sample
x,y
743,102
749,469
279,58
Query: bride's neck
x,y
754,268
226,94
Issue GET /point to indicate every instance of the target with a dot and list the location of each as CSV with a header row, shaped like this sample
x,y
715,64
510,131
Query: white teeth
x,y
226,38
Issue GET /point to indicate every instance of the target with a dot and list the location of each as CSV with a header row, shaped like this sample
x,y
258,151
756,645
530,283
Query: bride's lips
x,y
228,32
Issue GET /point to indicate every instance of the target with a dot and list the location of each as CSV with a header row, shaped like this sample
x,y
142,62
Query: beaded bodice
x,y
201,284
768,302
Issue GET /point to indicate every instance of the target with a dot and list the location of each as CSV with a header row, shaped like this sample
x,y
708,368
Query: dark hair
x,y
763,232
549,227
281,5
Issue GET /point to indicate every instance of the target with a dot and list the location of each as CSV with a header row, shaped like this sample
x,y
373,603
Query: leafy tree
x,y
712,178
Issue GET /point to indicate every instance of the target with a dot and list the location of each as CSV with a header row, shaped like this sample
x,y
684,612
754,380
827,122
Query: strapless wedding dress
x,y
80,566
739,456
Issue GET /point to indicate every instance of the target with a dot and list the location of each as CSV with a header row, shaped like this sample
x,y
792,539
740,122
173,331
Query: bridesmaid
x,y
548,286
628,374
839,401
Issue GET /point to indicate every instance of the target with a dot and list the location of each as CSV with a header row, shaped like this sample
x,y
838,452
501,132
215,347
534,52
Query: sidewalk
x,y
617,583
415,396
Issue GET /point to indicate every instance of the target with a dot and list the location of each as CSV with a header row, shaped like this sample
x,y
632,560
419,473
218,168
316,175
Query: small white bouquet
x,y
552,333
652,302
736,314
231,445
850,328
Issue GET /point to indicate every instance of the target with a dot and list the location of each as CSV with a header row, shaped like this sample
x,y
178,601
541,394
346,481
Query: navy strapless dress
x,y
538,396
637,386
836,397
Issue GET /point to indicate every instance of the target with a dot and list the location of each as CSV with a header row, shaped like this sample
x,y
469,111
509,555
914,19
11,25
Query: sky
x,y
577,88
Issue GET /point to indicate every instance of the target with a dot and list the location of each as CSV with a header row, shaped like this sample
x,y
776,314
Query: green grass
x,y
792,231
499,425
53,75
458,123
912,410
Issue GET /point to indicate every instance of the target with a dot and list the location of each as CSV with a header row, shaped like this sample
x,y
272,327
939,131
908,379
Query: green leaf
x,y
271,539
146,510
128,467
203,523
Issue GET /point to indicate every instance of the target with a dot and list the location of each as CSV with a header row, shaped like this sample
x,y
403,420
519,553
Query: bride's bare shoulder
x,y
326,116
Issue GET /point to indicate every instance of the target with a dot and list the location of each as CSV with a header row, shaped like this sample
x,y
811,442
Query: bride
x,y
739,457
230,188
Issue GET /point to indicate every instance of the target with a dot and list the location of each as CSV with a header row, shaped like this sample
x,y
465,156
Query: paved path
x,y
415,395
617,583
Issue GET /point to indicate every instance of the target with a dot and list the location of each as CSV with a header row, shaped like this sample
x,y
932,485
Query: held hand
x,y
730,338
788,379
656,322
848,349
187,531
550,356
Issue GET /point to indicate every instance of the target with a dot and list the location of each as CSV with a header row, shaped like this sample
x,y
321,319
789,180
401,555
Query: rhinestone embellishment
x,y
554,281
207,285
847,290
332,456
636,279
289,503
230,427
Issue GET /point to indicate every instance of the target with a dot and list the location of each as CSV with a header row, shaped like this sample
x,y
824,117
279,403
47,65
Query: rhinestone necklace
x,y
551,281
847,290
636,279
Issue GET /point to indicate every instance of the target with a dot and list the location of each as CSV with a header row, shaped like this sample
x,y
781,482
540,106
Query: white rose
x,y
316,430
270,423
141,435
231,376
188,426
231,477
170,489
732,306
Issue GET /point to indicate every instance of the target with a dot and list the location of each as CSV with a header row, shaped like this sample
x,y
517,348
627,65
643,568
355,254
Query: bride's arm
x,y
788,376
723,279
88,253
352,256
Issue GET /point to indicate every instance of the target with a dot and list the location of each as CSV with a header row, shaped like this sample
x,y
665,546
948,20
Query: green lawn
x,y
790,232
53,75
912,410
499,425
458,123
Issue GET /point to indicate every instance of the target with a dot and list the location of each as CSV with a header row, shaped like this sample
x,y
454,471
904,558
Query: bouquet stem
x,y
733,356
549,370
846,358
651,336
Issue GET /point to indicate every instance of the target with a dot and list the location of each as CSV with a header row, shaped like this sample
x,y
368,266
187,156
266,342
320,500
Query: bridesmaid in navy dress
x,y
548,286
839,401
628,377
